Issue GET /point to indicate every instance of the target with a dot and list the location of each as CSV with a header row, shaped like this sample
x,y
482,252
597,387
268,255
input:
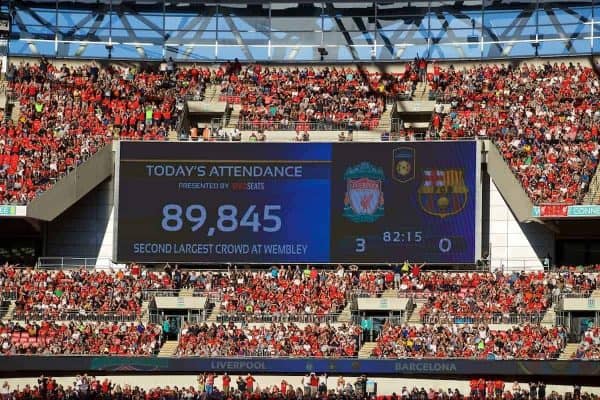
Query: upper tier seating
x,y
543,118
67,113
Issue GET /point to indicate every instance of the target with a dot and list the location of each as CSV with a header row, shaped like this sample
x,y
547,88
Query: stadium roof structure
x,y
288,31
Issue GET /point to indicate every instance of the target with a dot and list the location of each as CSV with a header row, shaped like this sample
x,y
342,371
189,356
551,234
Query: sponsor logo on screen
x,y
442,192
363,202
403,164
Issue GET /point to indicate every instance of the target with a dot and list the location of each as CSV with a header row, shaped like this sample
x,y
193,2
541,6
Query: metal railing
x,y
8,294
575,295
149,294
74,315
73,263
484,318
267,125
276,318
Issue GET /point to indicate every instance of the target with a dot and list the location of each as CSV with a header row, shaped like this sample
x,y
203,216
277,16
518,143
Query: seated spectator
x,y
77,294
277,340
89,338
589,348
544,120
50,138
280,294
466,341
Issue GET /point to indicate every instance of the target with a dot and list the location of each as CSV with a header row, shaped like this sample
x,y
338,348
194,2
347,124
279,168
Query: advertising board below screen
x,y
296,202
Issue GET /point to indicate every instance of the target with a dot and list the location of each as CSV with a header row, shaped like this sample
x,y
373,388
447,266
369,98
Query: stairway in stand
x,y
421,92
593,194
415,315
568,351
366,349
168,349
212,93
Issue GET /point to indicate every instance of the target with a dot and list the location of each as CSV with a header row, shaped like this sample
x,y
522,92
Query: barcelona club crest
x,y
403,165
443,192
364,196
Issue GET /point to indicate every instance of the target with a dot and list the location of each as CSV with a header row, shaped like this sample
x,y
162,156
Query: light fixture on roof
x,y
323,52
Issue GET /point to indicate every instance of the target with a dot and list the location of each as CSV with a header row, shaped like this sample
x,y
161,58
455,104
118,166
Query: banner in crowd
x,y
433,367
13,211
564,211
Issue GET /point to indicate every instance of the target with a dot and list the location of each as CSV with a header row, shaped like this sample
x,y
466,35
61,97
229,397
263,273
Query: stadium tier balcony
x,y
287,294
280,295
47,137
89,338
467,341
307,98
277,340
78,294
543,118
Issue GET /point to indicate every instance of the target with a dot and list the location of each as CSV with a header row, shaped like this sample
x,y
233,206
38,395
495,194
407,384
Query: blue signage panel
x,y
461,368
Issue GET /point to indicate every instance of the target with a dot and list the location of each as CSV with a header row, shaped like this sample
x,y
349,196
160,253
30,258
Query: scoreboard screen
x,y
296,202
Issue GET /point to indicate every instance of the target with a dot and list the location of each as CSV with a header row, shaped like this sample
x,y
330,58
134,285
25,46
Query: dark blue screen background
x,y
312,206
402,212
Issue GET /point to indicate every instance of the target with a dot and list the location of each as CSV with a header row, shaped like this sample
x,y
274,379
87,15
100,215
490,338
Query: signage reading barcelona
x,y
296,202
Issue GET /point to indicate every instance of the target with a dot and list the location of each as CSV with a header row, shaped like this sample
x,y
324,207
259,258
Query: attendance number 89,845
x,y
174,217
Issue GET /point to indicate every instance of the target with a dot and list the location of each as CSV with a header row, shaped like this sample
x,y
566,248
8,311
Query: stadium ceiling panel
x,y
295,30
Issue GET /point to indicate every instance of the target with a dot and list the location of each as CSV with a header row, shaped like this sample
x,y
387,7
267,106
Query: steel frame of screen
x,y
279,31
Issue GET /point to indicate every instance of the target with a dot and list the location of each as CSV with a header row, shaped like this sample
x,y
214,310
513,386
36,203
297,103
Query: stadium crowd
x,y
543,118
106,338
50,137
290,97
223,387
288,294
79,293
468,341
589,348
276,340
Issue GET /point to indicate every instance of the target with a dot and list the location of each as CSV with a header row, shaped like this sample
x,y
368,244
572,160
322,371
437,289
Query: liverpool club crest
x,y
443,192
364,194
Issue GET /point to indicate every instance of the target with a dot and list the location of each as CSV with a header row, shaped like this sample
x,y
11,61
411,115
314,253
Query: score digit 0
x,y
445,245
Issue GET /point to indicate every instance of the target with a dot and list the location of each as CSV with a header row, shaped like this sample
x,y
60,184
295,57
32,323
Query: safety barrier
x,y
277,318
484,318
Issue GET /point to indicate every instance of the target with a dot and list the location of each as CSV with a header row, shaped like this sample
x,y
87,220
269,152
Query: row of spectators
x,y
277,340
543,118
110,338
67,113
79,293
224,387
279,97
467,341
287,293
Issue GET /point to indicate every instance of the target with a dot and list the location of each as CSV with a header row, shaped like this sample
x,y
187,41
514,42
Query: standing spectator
x,y
306,384
226,382
241,384
323,384
541,390
250,383
210,383
5,390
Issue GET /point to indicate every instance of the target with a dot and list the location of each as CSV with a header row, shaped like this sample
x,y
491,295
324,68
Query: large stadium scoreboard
x,y
297,202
